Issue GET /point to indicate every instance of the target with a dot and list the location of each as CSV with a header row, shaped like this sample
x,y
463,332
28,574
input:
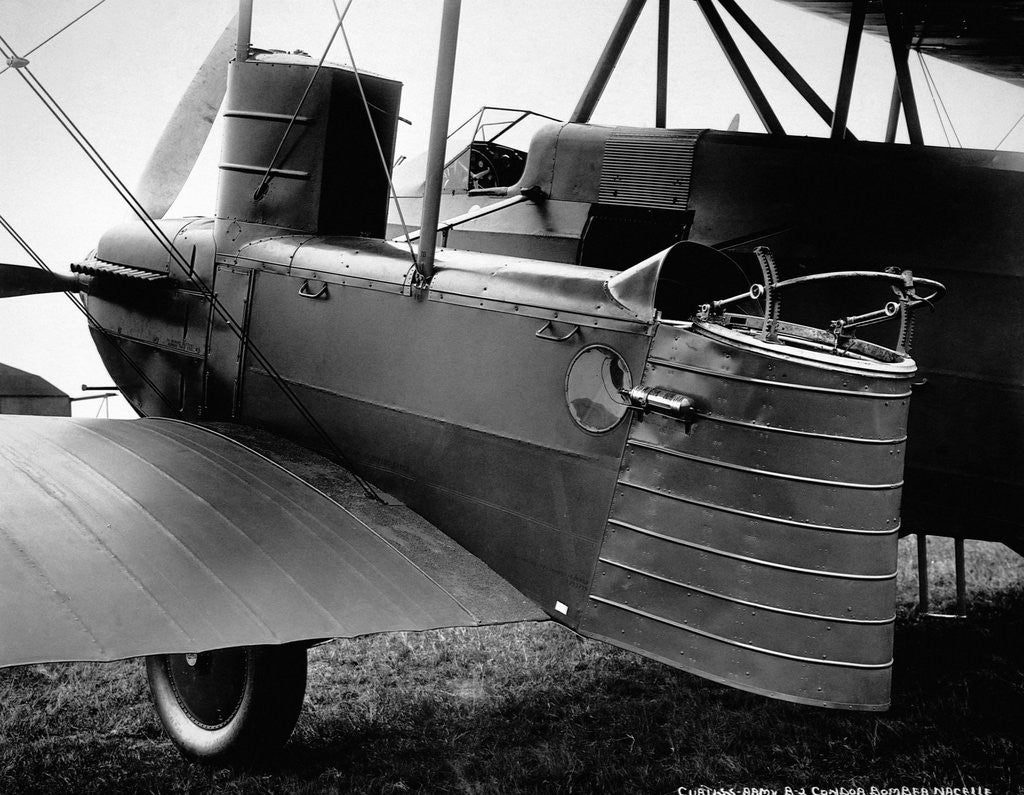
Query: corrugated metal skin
x,y
648,168
758,546
124,538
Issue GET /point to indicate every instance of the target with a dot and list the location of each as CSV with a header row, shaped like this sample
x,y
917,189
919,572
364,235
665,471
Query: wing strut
x,y
438,136
779,61
853,35
661,100
606,63
900,58
739,66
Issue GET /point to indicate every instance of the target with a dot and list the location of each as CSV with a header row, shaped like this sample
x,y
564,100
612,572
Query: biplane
x,y
644,388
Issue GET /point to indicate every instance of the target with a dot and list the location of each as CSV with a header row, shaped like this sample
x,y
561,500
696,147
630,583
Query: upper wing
x,y
125,538
980,35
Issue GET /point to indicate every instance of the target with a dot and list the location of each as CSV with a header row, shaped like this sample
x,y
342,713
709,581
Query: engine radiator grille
x,y
648,168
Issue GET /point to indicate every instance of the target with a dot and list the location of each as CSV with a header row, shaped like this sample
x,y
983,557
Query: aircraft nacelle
x,y
646,479
148,305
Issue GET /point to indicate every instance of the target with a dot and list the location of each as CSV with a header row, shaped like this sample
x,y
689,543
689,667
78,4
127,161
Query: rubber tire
x,y
270,682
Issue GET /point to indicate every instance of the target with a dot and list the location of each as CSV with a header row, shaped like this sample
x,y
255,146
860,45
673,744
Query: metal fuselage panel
x,y
458,409
757,546
548,231
821,205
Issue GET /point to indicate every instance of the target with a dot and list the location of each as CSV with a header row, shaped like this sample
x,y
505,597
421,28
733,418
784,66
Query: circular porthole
x,y
594,385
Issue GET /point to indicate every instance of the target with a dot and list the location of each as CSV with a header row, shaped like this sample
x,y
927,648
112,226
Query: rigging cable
x,y
55,35
942,102
1012,128
161,237
931,93
933,90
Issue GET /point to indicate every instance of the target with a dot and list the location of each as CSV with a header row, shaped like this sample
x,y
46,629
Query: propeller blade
x,y
28,280
186,132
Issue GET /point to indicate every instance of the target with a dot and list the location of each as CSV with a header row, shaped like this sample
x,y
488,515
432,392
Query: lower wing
x,y
126,538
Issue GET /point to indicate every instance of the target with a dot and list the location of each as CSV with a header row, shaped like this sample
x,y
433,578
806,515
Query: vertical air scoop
x,y
314,168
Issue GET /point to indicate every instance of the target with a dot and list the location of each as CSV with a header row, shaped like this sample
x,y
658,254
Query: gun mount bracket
x,y
840,336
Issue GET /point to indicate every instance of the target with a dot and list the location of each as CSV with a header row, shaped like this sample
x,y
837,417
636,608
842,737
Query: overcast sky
x,y
120,71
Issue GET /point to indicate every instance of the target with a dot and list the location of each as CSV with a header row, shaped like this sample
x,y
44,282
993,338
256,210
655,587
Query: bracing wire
x,y
933,89
133,203
55,35
931,93
1012,128
943,104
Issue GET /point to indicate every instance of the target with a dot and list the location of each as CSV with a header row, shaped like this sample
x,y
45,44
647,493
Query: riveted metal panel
x,y
789,585
153,315
761,671
458,409
173,383
757,546
133,245
804,454
778,393
226,349
757,535
819,637
761,492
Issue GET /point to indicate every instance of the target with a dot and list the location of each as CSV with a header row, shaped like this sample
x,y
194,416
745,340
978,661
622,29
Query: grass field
x,y
534,708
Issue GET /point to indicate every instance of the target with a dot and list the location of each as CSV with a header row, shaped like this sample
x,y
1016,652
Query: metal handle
x,y
551,337
321,293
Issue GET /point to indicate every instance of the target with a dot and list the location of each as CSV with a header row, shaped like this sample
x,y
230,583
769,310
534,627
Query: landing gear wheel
x,y
229,706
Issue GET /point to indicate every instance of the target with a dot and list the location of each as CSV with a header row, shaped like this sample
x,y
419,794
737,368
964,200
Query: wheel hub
x,y
209,685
